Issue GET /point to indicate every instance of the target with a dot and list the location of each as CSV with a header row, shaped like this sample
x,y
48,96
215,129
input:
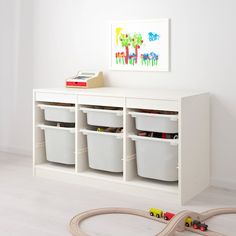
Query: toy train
x,y
189,222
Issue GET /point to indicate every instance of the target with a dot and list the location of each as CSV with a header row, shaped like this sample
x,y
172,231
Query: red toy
x,y
198,225
168,215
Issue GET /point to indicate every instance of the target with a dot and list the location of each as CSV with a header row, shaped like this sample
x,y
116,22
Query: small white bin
x,y
105,150
60,144
156,158
155,122
58,113
104,117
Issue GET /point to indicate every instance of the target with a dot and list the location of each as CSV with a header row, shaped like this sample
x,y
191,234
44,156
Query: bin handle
x,y
173,118
43,127
44,106
133,114
119,136
116,135
173,142
84,111
41,106
136,114
83,131
116,112
72,110
120,113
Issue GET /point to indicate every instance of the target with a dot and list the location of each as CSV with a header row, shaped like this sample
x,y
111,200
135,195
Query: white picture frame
x,y
140,45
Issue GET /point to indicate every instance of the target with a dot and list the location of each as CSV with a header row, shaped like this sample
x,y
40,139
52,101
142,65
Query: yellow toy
x,y
188,222
156,212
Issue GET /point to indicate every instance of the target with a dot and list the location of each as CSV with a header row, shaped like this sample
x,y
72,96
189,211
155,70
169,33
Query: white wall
x,y
16,75
72,35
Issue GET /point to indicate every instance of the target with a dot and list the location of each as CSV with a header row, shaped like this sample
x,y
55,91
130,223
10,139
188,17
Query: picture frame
x,y
141,45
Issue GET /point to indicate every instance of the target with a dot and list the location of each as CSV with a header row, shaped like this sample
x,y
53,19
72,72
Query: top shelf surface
x,y
167,94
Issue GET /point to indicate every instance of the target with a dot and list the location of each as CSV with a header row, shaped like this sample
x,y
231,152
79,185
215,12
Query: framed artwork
x,y
140,45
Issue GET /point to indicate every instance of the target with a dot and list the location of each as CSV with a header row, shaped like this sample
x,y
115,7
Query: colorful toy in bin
x,y
110,129
158,135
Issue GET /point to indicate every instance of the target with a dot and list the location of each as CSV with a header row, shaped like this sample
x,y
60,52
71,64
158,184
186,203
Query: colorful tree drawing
x,y
125,42
137,41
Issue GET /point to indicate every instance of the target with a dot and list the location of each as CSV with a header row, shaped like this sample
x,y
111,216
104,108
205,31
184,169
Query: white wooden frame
x,y
166,67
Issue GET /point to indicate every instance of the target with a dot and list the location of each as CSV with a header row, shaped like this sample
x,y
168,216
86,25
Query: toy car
x,y
156,212
188,222
168,215
198,225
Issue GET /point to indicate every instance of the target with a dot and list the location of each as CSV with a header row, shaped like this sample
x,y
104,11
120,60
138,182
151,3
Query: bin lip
x,y
43,106
136,113
135,137
42,126
87,109
87,131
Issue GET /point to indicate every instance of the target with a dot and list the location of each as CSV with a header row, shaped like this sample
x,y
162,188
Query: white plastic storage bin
x,y
155,122
58,113
156,158
104,117
105,150
60,144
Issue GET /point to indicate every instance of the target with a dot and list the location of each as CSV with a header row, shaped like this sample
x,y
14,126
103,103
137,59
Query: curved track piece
x,y
75,222
176,224
218,211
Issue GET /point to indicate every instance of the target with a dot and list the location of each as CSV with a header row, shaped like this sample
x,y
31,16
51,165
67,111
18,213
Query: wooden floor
x,y
31,206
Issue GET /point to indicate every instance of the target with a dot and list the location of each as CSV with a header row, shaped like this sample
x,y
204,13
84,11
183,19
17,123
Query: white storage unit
x,y
155,122
192,146
104,117
58,113
105,150
156,158
60,144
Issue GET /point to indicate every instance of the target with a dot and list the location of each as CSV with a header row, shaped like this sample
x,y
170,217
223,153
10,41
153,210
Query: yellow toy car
x,y
156,212
188,222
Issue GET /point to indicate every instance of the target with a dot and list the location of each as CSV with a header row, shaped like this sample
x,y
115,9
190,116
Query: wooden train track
x,y
177,223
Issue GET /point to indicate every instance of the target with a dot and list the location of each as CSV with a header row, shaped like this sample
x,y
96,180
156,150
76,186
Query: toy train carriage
x,y
188,222
168,215
156,212
199,225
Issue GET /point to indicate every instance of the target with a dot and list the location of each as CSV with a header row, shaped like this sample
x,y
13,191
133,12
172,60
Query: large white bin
x,y
105,150
60,144
58,113
155,122
104,117
156,159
